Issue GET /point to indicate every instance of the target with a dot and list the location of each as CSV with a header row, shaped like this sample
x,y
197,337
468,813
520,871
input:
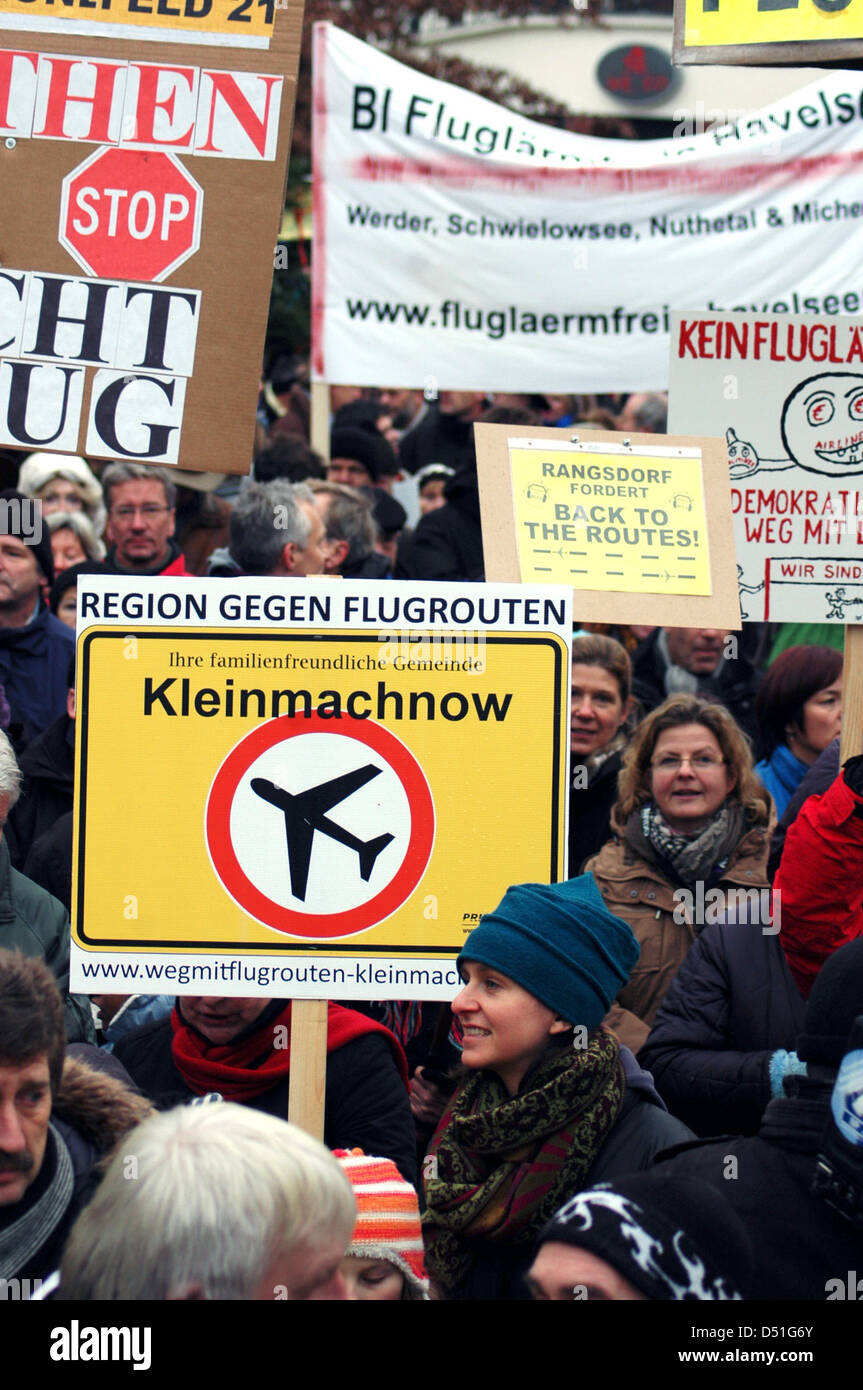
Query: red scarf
x,y
243,1070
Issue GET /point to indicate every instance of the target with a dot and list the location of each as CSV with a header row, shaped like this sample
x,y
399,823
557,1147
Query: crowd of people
x,y
552,1132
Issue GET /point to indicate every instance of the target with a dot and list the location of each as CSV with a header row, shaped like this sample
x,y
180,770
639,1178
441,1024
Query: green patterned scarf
x,y
504,1164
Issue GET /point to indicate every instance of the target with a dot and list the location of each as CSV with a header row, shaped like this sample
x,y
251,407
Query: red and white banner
x,y
459,246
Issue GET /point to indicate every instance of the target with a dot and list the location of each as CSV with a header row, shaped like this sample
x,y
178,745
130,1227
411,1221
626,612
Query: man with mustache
x,y
57,1117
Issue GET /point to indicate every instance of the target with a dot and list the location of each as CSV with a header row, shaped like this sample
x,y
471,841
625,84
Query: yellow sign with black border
x,y
334,788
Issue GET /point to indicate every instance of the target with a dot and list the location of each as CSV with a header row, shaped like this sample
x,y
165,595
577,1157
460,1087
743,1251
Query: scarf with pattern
x,y
499,1166
687,859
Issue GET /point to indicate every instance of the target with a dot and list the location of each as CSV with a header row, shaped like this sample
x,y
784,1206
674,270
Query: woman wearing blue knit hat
x,y
550,1102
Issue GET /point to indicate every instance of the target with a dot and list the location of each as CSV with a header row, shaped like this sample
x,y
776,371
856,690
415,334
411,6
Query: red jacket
x,y
177,566
819,882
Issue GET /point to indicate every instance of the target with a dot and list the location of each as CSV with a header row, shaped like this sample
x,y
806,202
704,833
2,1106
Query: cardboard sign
x,y
458,246
641,531
766,31
311,790
148,167
786,394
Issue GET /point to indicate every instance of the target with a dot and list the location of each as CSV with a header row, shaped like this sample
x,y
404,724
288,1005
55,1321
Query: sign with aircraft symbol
x,y
310,790
320,832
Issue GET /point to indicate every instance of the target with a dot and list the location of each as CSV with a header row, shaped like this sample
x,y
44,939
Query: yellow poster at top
x,y
715,23
627,520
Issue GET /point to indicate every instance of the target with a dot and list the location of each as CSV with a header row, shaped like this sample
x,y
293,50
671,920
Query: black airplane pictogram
x,y
304,814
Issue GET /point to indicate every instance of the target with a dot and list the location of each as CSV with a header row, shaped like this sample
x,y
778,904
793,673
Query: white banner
x,y
462,247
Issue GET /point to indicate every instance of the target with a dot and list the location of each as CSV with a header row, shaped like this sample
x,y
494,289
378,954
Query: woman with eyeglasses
x,y
691,834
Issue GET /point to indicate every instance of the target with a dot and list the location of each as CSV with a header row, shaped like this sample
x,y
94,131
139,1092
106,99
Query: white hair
x,y
10,773
80,523
204,1197
38,470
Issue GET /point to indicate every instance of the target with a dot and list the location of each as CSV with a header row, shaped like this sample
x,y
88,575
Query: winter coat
x,y
37,924
820,881
800,1243
91,1112
730,1006
447,543
371,566
644,1128
48,772
366,1103
639,892
438,438
734,683
590,811
34,672
49,863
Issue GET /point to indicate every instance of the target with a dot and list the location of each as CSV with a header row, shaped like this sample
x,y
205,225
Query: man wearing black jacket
x,y
801,1243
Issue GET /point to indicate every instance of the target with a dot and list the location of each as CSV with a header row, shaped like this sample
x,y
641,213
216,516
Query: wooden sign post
x,y
308,1065
851,741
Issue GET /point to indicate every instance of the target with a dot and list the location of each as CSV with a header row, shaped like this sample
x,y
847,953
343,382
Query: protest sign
x,y
640,530
786,394
766,31
146,145
460,247
312,790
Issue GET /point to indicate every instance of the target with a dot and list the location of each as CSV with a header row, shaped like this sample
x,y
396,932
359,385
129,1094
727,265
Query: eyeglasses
x,y
701,762
149,509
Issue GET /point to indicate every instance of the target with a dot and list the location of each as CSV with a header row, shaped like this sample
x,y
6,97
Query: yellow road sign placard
x,y
319,788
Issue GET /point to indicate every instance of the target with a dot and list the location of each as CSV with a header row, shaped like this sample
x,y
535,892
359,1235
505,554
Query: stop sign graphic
x,y
130,214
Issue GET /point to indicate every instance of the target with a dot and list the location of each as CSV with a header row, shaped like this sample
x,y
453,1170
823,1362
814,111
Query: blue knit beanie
x,y
559,942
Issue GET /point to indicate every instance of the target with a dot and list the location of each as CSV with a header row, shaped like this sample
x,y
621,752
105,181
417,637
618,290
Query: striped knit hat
x,y
388,1218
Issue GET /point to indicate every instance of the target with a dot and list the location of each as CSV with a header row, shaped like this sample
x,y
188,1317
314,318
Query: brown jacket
x,y
638,892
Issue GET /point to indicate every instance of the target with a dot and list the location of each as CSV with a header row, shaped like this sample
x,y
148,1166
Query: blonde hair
x,y
633,786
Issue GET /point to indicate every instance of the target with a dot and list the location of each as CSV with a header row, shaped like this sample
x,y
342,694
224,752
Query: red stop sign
x,y
130,214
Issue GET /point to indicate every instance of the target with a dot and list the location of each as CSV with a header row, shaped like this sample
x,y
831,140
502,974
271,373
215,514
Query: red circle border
x,y
325,925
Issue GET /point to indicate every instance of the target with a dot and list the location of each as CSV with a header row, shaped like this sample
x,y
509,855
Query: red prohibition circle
x,y
306,924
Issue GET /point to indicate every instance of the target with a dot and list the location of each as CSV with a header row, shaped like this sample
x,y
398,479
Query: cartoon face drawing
x,y
822,424
742,458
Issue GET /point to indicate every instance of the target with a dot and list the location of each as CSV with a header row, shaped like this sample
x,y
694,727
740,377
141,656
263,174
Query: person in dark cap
x,y
359,457
550,1103
801,1243
390,519
34,646
649,1236
63,594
